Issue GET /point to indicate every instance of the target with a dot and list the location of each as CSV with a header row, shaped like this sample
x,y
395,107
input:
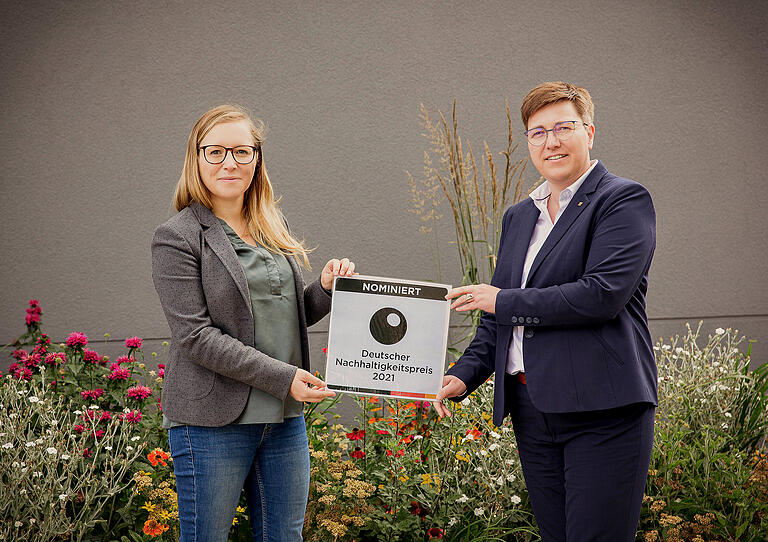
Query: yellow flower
x,y
149,506
461,457
403,478
234,521
240,509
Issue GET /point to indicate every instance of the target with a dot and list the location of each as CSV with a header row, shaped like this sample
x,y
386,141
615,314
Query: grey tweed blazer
x,y
212,361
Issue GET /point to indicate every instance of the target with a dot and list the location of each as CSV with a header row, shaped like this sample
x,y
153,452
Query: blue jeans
x,y
212,464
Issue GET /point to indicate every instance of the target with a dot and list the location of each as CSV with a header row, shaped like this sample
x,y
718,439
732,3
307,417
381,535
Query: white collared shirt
x,y
541,231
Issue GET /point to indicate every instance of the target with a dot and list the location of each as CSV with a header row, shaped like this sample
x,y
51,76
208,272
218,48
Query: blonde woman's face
x,y
227,181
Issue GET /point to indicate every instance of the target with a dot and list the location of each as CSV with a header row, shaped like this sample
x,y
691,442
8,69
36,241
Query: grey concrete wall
x,y
98,99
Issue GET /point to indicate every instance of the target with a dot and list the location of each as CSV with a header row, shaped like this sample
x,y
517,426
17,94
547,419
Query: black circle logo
x,y
388,325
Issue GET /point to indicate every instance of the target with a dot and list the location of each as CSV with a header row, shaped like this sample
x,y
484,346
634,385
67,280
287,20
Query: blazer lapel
x,y
217,239
578,203
521,232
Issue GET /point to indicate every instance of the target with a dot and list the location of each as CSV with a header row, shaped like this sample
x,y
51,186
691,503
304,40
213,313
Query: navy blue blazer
x,y
586,342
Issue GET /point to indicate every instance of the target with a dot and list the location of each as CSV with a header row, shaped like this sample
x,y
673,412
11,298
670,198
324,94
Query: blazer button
x,y
536,320
528,320
529,333
513,319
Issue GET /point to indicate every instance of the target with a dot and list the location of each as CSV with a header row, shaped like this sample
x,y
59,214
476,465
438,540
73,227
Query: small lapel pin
x,y
579,204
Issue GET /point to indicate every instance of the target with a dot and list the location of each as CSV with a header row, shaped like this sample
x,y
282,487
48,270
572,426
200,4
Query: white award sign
x,y
387,337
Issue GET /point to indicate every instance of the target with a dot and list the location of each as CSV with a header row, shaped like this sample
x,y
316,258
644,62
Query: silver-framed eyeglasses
x,y
242,154
562,130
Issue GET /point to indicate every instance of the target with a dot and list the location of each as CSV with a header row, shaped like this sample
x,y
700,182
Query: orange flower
x,y
153,528
158,456
373,399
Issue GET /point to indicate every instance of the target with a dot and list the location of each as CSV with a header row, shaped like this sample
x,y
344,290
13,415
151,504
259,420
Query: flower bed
x,y
82,455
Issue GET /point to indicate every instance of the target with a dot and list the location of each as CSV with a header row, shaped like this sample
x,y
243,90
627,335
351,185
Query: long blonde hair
x,y
261,212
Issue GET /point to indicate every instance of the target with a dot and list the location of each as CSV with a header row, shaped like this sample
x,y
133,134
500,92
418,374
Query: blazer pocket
x,y
608,348
193,381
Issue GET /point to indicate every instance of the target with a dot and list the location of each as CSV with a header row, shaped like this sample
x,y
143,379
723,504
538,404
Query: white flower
x,y
78,412
63,497
728,414
510,477
29,444
483,452
18,524
493,446
462,499
64,456
515,499
129,448
32,521
51,451
495,435
465,401
500,480
39,441
15,464
94,407
134,439
509,461
479,511
21,392
452,522
719,331
724,426
107,447
33,399
8,445
478,469
417,437
679,350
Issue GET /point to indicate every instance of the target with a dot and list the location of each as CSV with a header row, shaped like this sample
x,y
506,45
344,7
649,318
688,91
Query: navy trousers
x,y
585,471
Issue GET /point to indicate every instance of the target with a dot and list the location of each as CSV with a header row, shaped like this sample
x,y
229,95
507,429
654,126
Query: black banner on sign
x,y
397,289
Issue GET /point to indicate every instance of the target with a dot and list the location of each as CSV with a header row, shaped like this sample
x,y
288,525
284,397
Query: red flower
x,y
79,428
474,432
31,360
87,453
153,528
124,359
98,434
106,415
139,392
382,432
435,533
91,356
92,394
32,319
55,358
133,342
44,340
325,350
407,439
356,434
418,510
77,340
118,373
161,365
23,373
158,456
357,454
18,354
398,453
132,417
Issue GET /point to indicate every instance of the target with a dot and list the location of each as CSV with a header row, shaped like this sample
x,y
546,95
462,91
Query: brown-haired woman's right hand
x,y
306,387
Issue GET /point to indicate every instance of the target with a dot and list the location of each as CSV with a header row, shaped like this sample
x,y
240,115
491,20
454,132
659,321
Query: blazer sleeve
x,y
177,279
317,302
619,256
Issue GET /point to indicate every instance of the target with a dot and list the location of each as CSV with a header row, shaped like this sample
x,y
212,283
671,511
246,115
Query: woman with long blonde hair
x,y
226,269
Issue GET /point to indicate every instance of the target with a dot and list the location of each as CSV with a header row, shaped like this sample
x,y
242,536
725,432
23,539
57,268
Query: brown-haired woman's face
x,y
227,181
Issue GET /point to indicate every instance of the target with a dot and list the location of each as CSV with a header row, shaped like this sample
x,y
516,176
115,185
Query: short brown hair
x,y
557,91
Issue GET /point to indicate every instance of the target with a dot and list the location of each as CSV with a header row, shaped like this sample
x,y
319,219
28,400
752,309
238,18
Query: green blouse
x,y
276,324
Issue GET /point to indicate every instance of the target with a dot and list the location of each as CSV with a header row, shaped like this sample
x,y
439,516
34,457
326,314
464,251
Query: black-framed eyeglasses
x,y
242,154
562,131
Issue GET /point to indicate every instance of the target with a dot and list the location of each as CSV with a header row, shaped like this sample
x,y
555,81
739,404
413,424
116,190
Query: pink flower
x,y
55,358
91,356
92,394
118,373
106,416
124,359
12,367
132,417
79,428
31,361
44,340
139,392
23,373
161,373
32,319
98,434
133,342
18,354
87,453
77,340
34,304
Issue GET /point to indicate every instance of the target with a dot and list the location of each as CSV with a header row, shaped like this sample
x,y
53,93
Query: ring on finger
x,y
470,297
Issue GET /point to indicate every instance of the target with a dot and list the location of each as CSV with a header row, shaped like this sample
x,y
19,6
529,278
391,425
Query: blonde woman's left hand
x,y
474,296
336,268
